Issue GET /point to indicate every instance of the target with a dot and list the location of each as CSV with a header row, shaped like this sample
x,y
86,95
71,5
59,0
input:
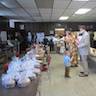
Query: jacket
x,y
84,44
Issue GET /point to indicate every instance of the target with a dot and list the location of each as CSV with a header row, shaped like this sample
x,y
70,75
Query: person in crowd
x,y
45,41
55,40
62,47
67,63
51,44
83,44
29,38
19,40
71,45
58,45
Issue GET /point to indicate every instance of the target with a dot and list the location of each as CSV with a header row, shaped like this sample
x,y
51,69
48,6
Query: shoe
x,y
83,75
82,72
67,77
74,65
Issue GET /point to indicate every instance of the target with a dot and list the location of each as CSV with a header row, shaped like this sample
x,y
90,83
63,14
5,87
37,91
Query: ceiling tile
x,y
45,11
33,12
58,11
76,5
92,12
6,13
90,5
59,4
35,15
1,6
37,18
27,3
46,15
69,12
44,3
10,3
20,12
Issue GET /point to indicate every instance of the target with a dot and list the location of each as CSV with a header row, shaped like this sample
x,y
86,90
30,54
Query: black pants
x,y
67,71
51,47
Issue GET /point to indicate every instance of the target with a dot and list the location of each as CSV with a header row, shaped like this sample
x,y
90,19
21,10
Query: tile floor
x,y
57,85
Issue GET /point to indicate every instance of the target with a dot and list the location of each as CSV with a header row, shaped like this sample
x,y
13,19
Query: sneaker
x,y
83,75
82,72
74,65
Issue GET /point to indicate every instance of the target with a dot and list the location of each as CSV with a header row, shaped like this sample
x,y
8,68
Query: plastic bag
x,y
27,65
14,66
30,74
16,76
35,62
37,71
23,82
8,81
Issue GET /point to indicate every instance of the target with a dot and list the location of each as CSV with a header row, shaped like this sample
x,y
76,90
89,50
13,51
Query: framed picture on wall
x,y
22,26
59,31
51,32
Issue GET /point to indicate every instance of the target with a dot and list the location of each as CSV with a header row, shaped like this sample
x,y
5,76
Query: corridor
x,y
57,85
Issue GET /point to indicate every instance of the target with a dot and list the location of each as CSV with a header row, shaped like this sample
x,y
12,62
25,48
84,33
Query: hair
x,y
82,26
66,52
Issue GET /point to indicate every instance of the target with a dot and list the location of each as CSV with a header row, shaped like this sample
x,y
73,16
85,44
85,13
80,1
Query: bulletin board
x,y
59,31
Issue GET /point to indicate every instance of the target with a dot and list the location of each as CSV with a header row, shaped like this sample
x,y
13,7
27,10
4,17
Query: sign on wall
x,y
3,36
22,27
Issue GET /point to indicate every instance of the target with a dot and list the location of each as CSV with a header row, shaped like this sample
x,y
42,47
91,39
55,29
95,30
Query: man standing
x,y
83,48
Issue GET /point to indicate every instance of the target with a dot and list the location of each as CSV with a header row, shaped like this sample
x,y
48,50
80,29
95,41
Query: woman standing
x,y
71,42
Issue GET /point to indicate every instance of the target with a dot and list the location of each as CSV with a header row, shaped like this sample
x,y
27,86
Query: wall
x,y
4,24
47,26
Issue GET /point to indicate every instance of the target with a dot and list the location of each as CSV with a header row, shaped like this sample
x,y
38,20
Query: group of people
x,y
72,46
77,46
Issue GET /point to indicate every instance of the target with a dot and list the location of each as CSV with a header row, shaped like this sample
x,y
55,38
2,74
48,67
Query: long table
x,y
30,90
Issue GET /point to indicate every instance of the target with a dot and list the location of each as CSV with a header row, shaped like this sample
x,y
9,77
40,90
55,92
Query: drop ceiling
x,y
47,10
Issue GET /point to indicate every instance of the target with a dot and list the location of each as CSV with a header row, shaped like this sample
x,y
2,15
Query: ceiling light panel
x,y
63,18
82,11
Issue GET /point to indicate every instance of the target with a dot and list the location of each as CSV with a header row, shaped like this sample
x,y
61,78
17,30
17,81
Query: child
x,y
67,63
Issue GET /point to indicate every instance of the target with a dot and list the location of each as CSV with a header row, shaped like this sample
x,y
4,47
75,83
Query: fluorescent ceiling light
x,y
63,18
80,0
59,29
82,11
